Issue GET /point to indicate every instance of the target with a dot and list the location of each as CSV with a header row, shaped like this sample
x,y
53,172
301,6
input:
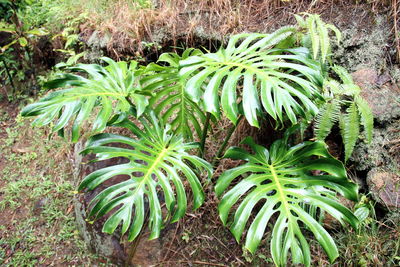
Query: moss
x,y
364,48
379,152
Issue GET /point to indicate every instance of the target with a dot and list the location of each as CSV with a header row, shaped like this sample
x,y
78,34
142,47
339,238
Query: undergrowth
x,y
37,225
130,23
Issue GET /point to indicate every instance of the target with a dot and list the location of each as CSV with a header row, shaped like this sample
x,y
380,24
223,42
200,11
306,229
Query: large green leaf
x,y
158,161
170,101
106,91
250,71
279,184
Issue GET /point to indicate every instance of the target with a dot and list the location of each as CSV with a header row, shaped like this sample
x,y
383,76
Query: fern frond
x,y
367,119
343,74
337,32
315,38
326,118
317,32
324,39
350,129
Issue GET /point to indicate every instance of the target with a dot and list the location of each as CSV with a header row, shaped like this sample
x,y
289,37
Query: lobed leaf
x,y
158,161
281,182
170,101
106,92
252,73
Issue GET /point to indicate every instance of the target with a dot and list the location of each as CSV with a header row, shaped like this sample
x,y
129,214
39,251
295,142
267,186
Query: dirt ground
x,y
37,225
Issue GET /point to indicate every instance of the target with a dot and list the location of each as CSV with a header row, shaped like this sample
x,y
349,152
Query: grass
x,y
37,224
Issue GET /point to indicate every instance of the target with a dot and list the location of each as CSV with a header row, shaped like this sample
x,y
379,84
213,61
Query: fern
x,y
343,74
326,118
317,35
346,95
350,129
367,119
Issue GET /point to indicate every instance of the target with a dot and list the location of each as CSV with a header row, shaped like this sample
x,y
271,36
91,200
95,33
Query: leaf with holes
x,y
277,184
105,92
158,161
251,72
170,101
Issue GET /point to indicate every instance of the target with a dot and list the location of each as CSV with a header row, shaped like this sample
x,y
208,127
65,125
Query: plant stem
x,y
132,246
204,135
222,148
9,77
129,101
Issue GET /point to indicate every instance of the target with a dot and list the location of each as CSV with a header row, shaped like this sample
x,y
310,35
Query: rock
x,y
362,47
382,96
38,206
385,187
382,151
384,101
365,76
142,252
96,40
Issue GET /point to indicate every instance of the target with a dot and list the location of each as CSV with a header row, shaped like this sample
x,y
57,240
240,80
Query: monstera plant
x,y
169,107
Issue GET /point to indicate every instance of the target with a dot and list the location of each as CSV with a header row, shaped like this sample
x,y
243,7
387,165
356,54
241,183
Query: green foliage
x,y
157,159
254,76
170,100
283,81
109,88
316,35
344,104
281,180
328,115
21,30
350,129
20,37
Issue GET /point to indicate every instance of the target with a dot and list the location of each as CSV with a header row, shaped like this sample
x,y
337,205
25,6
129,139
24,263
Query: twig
x,y
172,241
9,77
396,32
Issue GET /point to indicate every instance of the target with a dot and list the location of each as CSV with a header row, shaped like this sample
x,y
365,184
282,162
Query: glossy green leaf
x,y
37,32
279,186
22,41
158,162
170,101
105,91
251,70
